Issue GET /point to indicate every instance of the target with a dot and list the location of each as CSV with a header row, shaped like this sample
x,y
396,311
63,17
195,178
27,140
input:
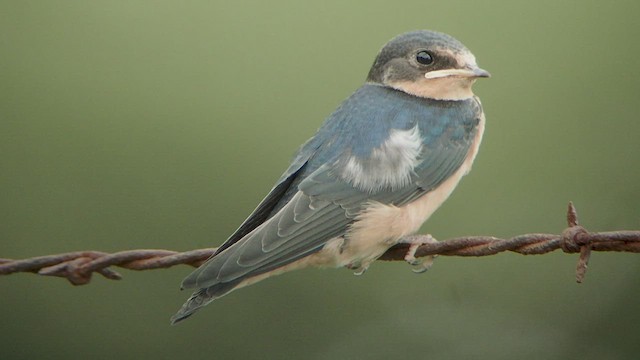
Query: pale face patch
x,y
465,59
389,166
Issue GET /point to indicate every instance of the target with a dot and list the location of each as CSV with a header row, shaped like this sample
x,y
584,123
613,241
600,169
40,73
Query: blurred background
x,y
161,124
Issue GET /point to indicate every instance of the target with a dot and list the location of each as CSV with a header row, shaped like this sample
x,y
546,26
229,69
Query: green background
x,y
161,124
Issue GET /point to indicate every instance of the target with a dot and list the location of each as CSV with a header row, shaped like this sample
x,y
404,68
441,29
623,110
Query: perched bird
x,y
377,168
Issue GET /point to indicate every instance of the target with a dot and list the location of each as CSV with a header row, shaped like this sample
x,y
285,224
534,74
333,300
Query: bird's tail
x,y
197,300
201,298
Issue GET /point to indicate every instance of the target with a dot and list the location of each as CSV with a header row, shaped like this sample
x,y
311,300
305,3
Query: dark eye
x,y
424,58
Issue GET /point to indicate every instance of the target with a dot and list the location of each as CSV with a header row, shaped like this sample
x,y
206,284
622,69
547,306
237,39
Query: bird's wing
x,y
301,227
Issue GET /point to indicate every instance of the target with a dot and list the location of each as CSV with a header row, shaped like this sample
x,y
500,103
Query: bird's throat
x,y
446,88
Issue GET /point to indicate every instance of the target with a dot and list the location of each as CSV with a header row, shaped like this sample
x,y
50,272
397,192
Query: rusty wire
x,y
77,267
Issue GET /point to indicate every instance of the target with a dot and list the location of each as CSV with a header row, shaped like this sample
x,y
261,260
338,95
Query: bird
x,y
372,174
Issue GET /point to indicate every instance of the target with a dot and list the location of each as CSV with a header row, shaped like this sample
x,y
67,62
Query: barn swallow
x,y
377,168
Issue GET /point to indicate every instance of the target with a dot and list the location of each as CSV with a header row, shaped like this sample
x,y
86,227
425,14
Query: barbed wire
x,y
77,267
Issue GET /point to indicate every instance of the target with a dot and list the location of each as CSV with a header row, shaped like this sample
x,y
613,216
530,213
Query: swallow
x,y
373,173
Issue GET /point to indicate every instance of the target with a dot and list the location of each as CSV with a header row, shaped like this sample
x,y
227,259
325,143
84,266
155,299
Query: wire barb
x,y
77,267
577,235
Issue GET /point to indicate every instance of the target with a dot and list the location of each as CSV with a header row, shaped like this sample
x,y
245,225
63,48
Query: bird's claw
x,y
358,268
359,271
419,265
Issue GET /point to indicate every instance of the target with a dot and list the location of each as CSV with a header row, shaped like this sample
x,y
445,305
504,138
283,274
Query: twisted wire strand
x,y
77,267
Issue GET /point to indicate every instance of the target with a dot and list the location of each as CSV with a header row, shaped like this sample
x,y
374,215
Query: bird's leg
x,y
423,264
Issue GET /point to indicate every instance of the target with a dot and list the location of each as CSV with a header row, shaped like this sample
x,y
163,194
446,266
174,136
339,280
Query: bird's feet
x,y
419,265
358,267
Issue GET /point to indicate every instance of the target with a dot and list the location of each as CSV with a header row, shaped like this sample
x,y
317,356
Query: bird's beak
x,y
471,72
480,73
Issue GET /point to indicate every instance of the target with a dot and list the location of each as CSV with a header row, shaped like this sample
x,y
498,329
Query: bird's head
x,y
427,64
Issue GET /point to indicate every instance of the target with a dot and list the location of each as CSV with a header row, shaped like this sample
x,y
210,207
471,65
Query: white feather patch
x,y
389,166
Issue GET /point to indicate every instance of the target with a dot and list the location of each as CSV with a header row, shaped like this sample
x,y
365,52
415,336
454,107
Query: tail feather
x,y
201,298
196,301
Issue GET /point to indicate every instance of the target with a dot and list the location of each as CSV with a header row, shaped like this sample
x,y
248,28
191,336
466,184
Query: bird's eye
x,y
424,58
